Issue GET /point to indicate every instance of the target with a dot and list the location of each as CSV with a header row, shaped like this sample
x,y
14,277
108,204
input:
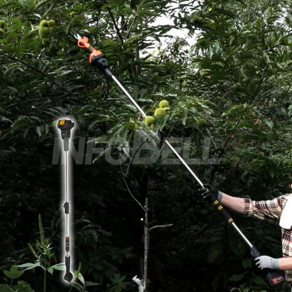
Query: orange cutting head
x,y
83,43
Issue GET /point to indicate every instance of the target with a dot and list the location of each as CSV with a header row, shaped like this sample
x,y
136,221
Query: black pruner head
x,y
100,62
65,126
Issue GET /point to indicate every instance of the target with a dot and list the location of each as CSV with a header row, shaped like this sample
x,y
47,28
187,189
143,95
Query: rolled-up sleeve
x,y
269,210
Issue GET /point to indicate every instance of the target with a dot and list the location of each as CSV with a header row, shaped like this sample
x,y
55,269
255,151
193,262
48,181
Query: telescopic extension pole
x,y
65,126
97,58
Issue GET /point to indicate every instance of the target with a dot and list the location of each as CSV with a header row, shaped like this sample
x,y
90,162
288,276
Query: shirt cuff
x,y
219,196
275,264
247,207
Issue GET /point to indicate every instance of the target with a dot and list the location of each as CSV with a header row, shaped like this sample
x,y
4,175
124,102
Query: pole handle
x,y
254,252
221,209
68,276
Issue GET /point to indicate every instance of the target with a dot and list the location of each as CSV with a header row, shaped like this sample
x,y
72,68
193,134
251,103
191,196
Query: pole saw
x,y
65,126
98,59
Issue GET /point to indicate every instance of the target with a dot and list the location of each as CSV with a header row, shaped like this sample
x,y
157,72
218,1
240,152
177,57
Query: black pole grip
x,y
221,209
68,276
254,252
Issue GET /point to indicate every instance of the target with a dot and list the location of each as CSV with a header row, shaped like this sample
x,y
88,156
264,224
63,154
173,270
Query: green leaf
x,y
59,267
76,273
271,172
41,3
87,284
246,264
185,115
258,280
29,266
225,12
80,278
269,123
77,286
6,288
132,39
14,273
236,278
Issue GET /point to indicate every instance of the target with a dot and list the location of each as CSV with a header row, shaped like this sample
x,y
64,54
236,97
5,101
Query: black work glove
x,y
208,191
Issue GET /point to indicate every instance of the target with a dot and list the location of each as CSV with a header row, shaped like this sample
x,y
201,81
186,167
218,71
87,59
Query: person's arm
x,y
233,203
269,210
266,262
285,263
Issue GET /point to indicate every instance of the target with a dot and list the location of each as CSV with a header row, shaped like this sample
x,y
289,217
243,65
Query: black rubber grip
x,y
68,276
221,209
67,244
254,252
67,264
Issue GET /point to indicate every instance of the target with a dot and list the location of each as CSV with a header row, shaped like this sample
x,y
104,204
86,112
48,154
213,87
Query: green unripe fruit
x,y
44,23
201,123
163,103
45,41
2,24
51,23
149,120
44,32
133,126
236,86
1,32
159,112
197,20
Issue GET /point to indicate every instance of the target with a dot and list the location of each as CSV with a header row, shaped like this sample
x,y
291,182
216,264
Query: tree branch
x,y
36,69
130,28
115,25
124,178
160,226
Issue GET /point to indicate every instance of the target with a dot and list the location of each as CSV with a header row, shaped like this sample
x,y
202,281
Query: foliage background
x,y
237,77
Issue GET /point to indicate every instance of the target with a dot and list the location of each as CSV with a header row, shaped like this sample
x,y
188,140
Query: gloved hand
x,y
266,262
207,191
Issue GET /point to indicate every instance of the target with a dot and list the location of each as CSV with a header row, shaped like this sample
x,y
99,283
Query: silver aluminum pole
x,y
219,206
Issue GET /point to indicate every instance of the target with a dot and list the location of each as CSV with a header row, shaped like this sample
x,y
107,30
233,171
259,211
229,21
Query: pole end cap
x,y
68,277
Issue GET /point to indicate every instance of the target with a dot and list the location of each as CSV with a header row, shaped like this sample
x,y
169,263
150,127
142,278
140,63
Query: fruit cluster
x,y
45,31
158,113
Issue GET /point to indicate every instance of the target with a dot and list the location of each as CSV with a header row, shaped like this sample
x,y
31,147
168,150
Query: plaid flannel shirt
x,y
271,211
